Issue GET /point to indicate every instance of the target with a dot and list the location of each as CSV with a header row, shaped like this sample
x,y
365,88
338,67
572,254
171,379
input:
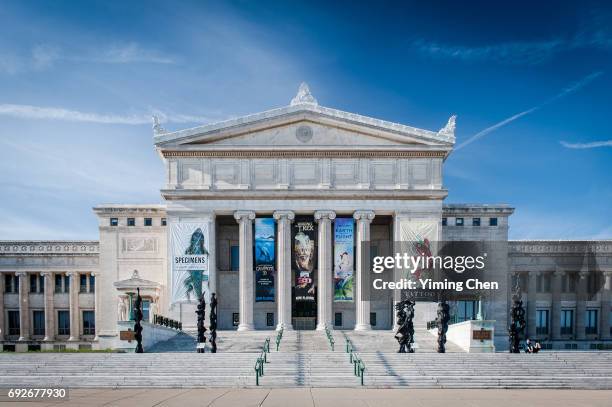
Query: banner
x,y
189,247
264,259
304,258
344,259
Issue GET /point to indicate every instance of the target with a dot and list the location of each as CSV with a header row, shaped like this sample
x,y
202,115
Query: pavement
x,y
327,397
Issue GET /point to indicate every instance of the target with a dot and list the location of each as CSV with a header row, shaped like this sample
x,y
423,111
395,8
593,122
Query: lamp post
x,y
201,311
137,326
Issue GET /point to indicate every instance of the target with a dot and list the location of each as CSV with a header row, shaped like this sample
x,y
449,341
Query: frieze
x,y
49,247
575,247
304,154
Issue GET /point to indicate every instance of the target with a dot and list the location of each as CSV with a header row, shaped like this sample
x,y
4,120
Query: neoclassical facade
x,y
314,178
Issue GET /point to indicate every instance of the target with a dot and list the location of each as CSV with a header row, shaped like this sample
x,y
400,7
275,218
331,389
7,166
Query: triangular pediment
x,y
304,125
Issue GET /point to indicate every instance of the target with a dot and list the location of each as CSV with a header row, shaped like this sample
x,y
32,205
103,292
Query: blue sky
x,y
531,85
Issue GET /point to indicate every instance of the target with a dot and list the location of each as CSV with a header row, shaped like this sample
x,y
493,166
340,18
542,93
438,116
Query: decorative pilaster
x,y
283,253
245,221
24,306
531,302
555,317
1,307
362,292
324,277
581,297
49,308
97,311
73,297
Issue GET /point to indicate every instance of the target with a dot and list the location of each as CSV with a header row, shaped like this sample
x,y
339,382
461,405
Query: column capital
x,y
21,273
559,273
364,215
324,214
242,216
583,274
278,215
72,273
46,273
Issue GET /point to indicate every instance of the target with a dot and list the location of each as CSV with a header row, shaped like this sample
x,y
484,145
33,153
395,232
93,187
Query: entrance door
x,y
304,313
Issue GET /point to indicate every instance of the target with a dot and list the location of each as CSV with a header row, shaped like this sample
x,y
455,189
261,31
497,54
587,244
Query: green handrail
x,y
355,360
279,336
330,338
262,359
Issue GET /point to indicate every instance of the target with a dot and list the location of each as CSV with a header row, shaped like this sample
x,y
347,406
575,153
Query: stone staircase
x,y
384,341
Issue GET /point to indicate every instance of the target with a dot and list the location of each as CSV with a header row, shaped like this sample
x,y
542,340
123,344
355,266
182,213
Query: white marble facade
x,y
301,159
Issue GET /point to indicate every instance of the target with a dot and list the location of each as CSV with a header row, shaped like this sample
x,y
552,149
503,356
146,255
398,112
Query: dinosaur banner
x,y
264,259
304,257
189,270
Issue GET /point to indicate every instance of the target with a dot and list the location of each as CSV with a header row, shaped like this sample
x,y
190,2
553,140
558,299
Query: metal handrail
x,y
330,338
262,359
279,336
355,360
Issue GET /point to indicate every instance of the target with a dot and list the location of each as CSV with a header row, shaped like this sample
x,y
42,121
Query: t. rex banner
x,y
304,255
189,248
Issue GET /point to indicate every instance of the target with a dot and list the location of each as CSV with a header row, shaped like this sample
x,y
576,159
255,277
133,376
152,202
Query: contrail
x,y
594,144
567,91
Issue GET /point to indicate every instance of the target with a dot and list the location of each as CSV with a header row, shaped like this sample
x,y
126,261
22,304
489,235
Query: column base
x,y
23,339
321,327
286,327
73,339
246,327
363,327
48,339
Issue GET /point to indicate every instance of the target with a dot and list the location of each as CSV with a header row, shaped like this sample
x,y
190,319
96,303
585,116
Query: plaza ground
x,y
323,397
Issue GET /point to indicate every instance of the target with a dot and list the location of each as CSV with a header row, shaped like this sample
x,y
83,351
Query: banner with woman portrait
x,y
344,259
264,259
304,256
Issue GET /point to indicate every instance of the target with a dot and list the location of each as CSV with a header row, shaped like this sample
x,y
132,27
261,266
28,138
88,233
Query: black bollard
x,y
517,320
213,324
201,312
137,326
405,330
442,322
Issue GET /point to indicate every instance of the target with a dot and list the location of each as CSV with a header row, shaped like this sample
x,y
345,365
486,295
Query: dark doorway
x,y
304,313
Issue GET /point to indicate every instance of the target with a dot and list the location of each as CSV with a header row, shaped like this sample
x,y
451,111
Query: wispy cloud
x,y
565,92
57,113
594,144
131,53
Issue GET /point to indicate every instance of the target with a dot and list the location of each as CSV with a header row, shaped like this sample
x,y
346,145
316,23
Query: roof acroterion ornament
x,y
304,97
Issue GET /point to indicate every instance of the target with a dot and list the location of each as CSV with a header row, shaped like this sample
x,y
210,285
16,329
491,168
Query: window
x,y
270,319
235,258
13,322
163,221
131,221
590,326
92,283
58,283
66,284
41,284
63,322
33,283
373,318
38,322
466,310
82,283
338,319
235,319
444,222
114,221
567,322
542,322
546,281
492,221
148,222
11,283
459,222
89,323
475,221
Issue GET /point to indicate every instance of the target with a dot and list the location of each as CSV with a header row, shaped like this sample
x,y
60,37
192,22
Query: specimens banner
x,y
189,247
264,259
344,236
304,258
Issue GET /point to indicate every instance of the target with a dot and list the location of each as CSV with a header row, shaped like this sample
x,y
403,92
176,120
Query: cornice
x,y
347,153
48,247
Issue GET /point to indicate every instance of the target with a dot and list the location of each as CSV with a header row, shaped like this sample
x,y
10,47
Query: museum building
x,y
271,212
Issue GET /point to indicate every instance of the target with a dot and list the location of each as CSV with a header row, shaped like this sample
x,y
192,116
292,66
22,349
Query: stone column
x,y
606,305
581,297
283,253
245,220
531,303
97,312
49,308
325,266
362,280
1,308
73,296
555,308
24,306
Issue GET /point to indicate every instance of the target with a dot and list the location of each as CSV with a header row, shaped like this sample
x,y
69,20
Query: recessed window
x,y
234,258
114,221
63,322
13,323
270,319
338,319
458,221
82,283
475,221
492,221
38,322
131,221
33,283
148,222
567,322
373,318
163,221
235,319
11,283
444,222
92,283
590,327
89,323
542,322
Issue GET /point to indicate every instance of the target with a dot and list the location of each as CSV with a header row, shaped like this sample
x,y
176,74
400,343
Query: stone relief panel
x,y
305,173
139,244
345,173
191,173
226,173
383,174
266,173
